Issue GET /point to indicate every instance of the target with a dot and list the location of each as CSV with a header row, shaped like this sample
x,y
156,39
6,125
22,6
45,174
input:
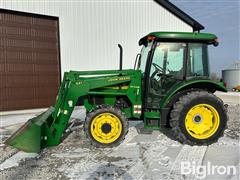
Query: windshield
x,y
167,59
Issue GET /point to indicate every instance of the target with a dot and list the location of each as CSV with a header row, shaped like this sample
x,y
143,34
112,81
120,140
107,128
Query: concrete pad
x,y
15,159
229,97
225,156
8,120
14,119
173,152
24,111
12,128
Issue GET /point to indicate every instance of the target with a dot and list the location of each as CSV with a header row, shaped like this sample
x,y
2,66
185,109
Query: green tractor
x,y
169,86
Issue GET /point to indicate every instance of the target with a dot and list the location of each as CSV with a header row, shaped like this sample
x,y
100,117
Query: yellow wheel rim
x,y
106,128
202,121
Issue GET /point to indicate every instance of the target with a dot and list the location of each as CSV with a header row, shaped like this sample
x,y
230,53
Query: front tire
x,y
198,118
106,127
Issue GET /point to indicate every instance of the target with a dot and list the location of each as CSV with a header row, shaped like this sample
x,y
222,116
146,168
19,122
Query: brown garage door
x,y
29,60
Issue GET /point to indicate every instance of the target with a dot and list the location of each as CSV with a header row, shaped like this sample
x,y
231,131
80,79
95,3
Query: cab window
x,y
198,60
169,58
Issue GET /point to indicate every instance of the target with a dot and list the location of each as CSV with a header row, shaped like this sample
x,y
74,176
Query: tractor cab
x,y
169,58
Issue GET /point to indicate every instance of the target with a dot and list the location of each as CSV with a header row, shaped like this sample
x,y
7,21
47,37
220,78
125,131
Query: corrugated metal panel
x,y
29,61
90,30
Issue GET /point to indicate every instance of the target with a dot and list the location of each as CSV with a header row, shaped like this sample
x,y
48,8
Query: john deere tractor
x,y
169,86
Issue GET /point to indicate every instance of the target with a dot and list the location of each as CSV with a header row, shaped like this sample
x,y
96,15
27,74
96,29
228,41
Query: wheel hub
x,y
106,128
197,118
202,121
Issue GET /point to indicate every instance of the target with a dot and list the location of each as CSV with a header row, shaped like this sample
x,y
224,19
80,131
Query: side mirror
x,y
215,42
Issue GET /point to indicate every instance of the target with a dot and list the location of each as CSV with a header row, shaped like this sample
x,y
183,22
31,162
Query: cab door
x,y
166,69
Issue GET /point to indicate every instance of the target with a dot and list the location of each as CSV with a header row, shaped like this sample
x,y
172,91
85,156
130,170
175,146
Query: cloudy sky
x,y
220,17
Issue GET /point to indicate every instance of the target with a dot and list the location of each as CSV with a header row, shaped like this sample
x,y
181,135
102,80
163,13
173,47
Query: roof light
x,y
151,38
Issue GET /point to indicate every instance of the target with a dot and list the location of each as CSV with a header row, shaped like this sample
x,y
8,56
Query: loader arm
x,y
47,129
71,89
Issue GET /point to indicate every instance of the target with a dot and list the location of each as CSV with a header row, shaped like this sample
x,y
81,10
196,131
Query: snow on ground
x,y
15,159
144,154
229,97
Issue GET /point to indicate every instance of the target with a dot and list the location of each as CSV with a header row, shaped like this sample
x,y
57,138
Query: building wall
x,y
90,30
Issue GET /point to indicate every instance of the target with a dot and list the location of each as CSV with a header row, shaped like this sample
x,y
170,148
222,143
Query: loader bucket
x,y
28,137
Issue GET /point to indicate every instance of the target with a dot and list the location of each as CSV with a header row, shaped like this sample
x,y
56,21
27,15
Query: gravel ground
x,y
143,155
233,130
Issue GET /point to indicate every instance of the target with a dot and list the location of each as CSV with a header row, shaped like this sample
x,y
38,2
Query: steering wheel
x,y
159,68
154,83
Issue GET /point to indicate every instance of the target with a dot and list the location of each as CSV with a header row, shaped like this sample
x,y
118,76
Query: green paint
x,y
153,116
189,84
47,129
184,36
28,137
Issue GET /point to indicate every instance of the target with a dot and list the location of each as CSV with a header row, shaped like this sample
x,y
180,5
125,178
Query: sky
x,y
220,17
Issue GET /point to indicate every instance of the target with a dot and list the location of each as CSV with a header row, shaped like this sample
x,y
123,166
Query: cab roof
x,y
180,36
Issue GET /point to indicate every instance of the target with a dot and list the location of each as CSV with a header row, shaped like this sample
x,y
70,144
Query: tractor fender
x,y
183,88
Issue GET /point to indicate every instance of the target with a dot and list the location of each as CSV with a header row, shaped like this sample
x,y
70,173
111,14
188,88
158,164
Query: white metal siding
x,y
91,30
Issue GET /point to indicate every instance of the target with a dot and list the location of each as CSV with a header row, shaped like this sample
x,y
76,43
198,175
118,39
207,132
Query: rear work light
x,y
225,84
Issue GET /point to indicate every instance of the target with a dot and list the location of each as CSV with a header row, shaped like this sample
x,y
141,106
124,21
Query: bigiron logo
x,y
202,171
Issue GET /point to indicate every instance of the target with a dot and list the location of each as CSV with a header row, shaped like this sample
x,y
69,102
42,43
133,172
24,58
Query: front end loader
x,y
47,129
169,86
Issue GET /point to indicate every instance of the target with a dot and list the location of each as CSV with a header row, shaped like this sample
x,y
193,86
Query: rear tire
x,y
198,118
106,127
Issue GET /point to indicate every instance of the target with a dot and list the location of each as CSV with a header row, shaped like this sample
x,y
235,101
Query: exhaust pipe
x,y
121,54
